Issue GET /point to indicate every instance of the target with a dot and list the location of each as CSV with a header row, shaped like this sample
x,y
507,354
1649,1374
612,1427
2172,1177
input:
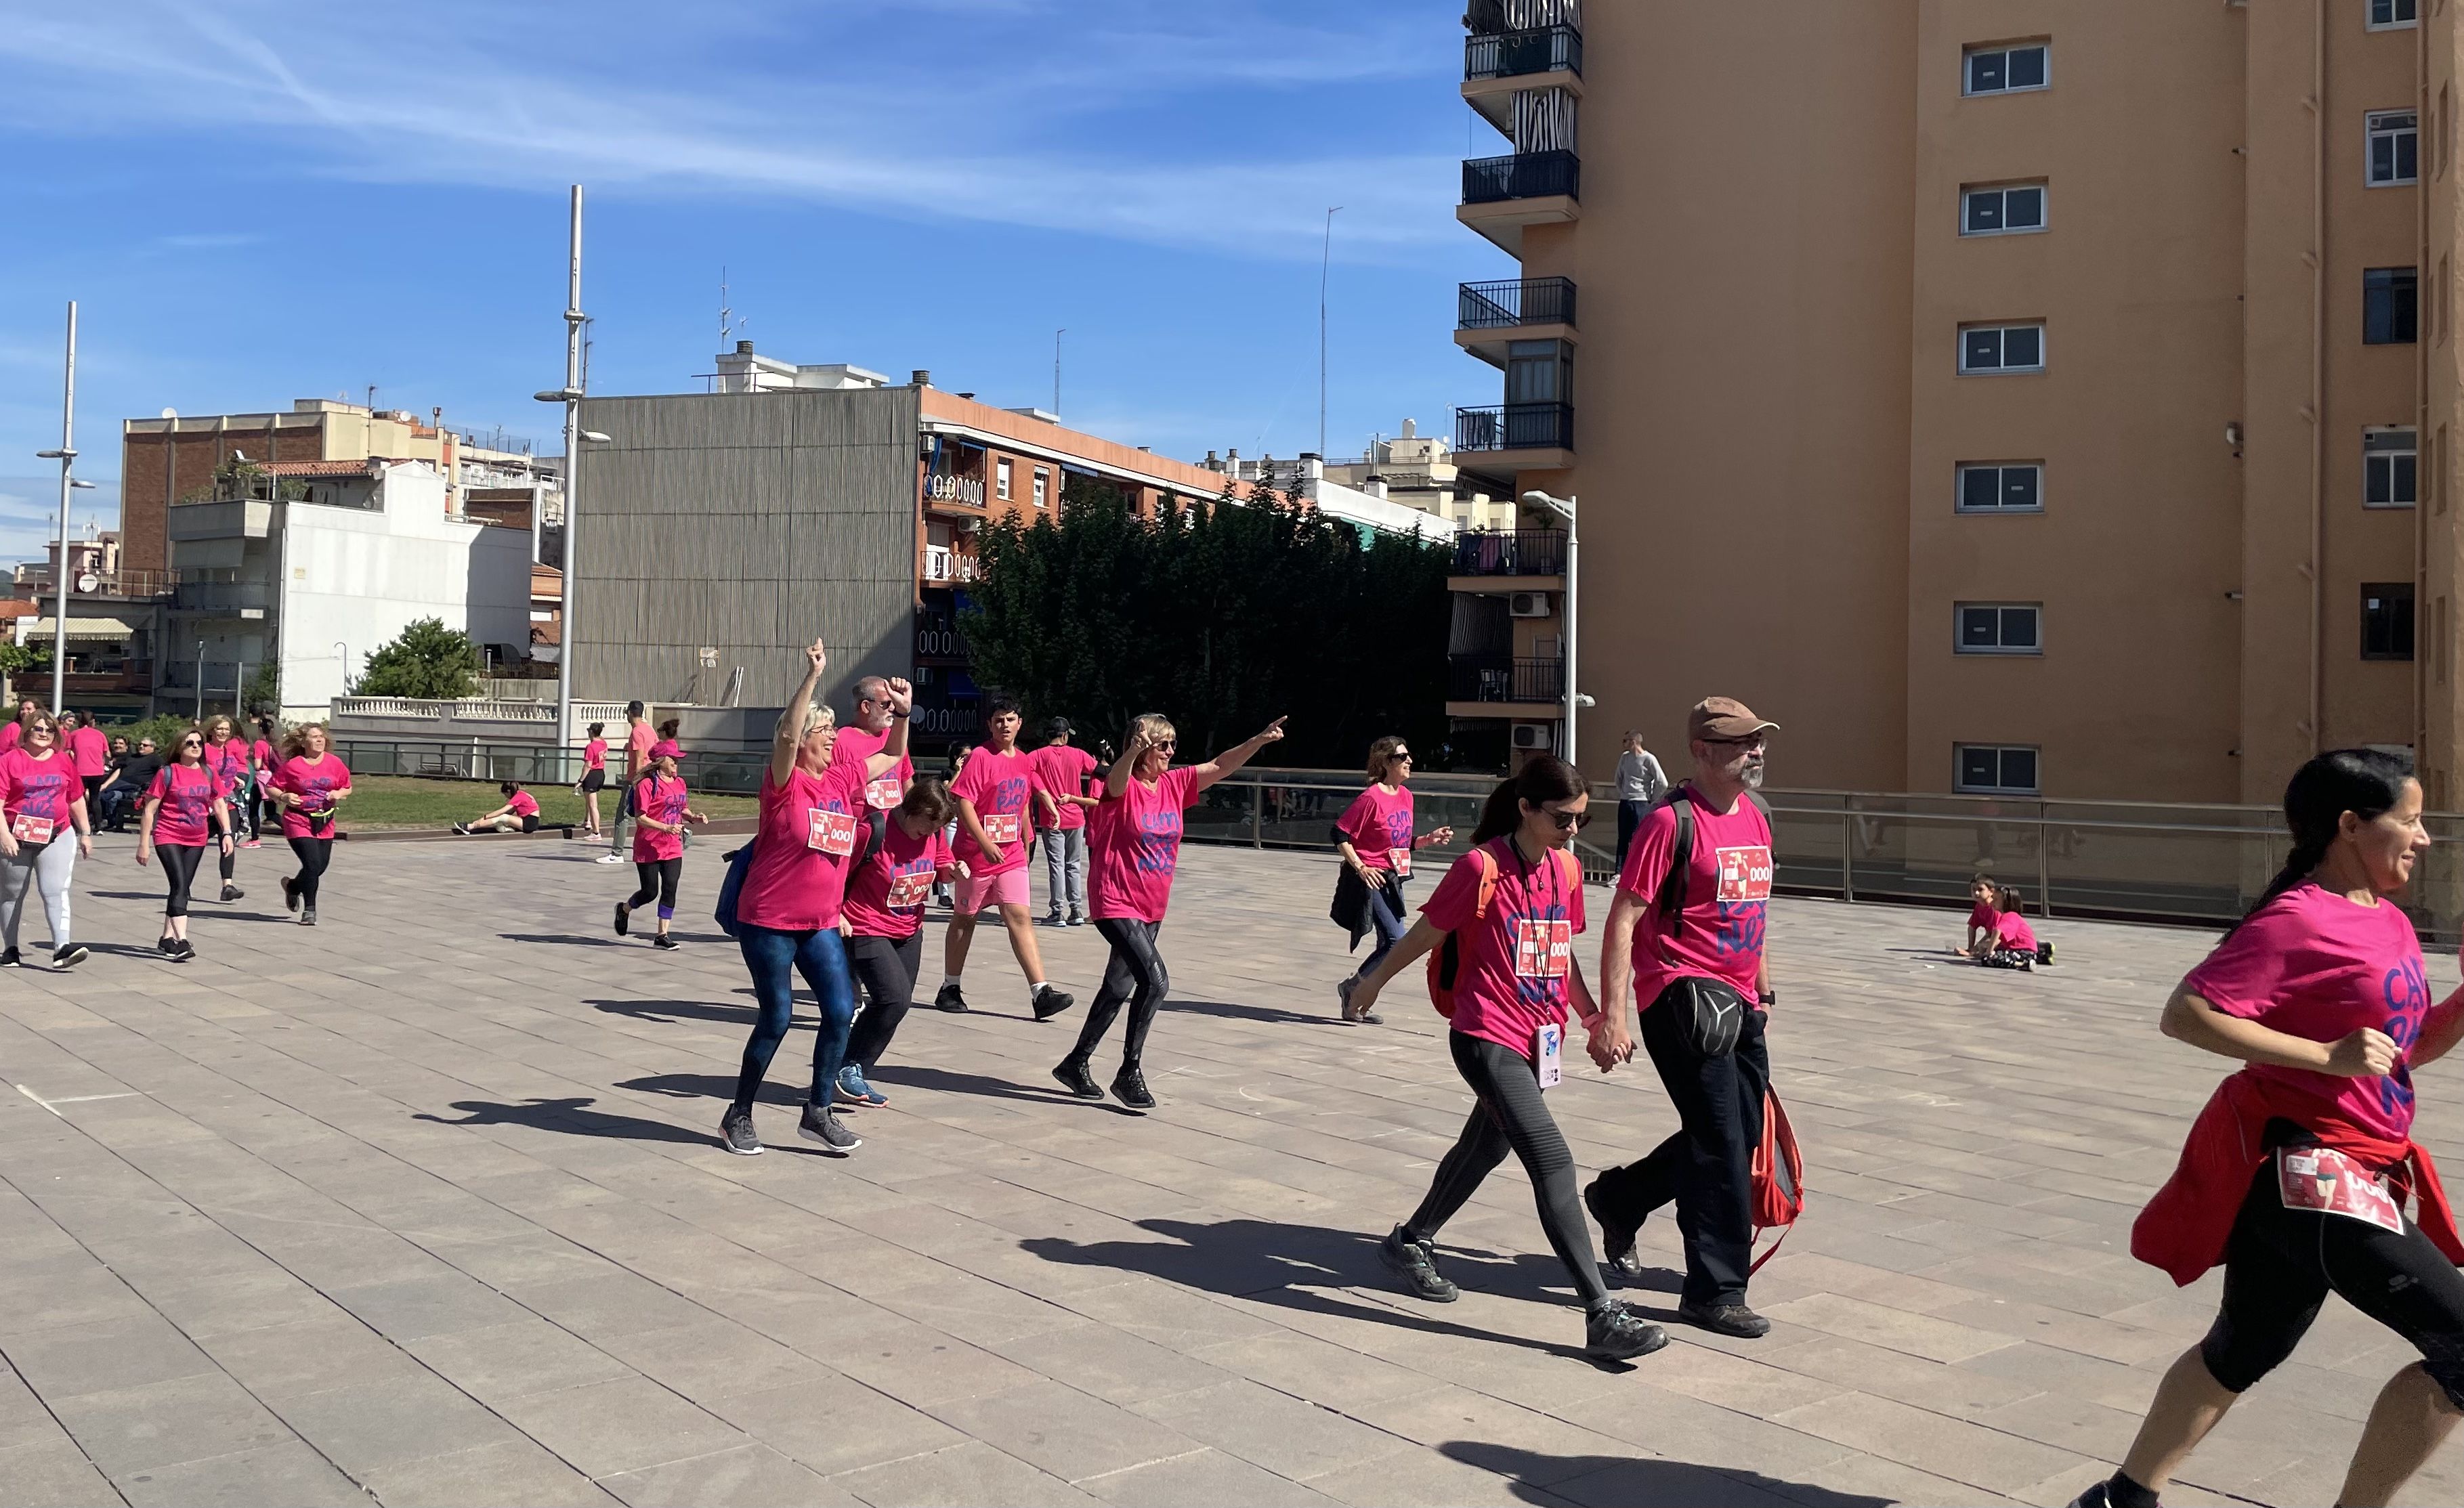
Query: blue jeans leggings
x,y
775,958
1385,915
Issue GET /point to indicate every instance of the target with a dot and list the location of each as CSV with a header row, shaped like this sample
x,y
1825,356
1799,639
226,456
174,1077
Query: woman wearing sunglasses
x,y
42,801
227,756
1375,838
184,810
311,783
1133,846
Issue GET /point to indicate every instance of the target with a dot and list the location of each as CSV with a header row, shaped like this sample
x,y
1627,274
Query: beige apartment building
x,y
2029,397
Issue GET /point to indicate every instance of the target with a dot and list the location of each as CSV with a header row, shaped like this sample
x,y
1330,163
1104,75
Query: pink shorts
x,y
1006,888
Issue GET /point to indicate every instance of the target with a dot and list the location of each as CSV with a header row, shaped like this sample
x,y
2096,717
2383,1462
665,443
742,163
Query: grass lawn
x,y
396,800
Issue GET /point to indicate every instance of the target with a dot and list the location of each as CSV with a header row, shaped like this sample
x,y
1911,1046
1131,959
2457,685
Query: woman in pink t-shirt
x,y
310,786
594,775
520,813
794,893
227,757
1133,845
1511,909
1375,838
183,811
883,922
44,830
662,806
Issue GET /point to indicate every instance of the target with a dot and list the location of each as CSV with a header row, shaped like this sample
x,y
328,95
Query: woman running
x,y
788,909
41,799
2295,1173
183,811
661,809
884,918
311,783
1375,838
594,775
1133,845
1507,913
227,757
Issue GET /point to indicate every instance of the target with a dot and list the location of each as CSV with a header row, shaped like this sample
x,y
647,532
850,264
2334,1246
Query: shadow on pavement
x,y
1266,1014
575,1117
667,1013
1644,1483
570,939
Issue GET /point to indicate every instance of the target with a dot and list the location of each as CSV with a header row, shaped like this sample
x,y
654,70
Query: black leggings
x,y
659,877
2281,1264
1136,974
179,862
314,854
886,967
1512,1115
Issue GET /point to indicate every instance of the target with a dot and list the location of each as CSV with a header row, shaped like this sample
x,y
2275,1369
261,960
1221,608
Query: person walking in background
x,y
662,806
311,784
594,776
85,745
44,830
264,809
1061,808
1685,941
227,757
183,811
638,739
884,919
1375,838
11,732
1640,783
520,814
126,787
993,792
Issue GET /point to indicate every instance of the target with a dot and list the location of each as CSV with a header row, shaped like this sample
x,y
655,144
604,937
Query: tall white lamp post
x,y
1565,508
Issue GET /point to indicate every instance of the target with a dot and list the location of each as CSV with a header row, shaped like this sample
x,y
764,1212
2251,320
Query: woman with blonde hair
x,y
310,783
226,759
1133,845
42,801
1375,835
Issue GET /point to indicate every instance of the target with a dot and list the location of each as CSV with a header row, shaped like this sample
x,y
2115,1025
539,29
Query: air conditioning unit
x,y
1528,604
1536,737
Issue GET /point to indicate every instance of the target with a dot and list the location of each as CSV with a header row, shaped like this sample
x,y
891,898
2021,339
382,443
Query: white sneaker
x,y
609,859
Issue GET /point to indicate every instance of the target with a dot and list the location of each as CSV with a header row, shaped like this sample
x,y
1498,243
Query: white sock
x,y
949,981
1034,991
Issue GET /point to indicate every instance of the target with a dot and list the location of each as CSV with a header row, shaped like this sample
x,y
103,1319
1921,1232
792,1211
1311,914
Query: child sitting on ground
x,y
520,814
2015,944
1983,919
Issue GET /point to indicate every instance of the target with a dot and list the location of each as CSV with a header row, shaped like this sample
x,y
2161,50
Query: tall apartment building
x,y
2006,396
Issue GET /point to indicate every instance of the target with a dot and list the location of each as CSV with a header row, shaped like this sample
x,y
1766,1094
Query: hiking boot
x,y
1074,1078
819,1125
1725,1319
1129,1087
950,1000
1617,1241
1613,1332
1415,1262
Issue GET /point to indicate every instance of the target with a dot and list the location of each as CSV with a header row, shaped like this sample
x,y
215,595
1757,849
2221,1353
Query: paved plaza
x,y
426,1206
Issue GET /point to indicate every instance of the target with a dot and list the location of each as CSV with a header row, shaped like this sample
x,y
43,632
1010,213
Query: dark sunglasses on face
x,y
1568,821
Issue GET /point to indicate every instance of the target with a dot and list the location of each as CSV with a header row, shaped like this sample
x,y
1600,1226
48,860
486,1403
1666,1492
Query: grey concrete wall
x,y
749,522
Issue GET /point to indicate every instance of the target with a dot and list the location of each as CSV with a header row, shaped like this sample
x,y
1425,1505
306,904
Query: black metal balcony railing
x,y
1516,301
1525,175
1516,427
1510,54
1503,678
1510,552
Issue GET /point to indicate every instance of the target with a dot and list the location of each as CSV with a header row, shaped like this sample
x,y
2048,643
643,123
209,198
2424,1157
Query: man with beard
x,y
1688,943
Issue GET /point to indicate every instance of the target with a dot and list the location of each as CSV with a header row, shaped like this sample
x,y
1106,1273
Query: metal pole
x,y
1256,815
1847,856
201,681
1056,369
1325,265
62,586
573,319
2044,866
1574,585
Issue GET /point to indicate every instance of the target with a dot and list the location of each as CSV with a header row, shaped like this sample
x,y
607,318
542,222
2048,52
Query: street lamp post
x,y
201,681
66,455
570,395
343,653
1565,508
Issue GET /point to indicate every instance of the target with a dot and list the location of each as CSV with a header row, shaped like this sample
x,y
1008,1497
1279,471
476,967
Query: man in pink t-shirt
x,y
1692,972
994,793
1061,806
639,736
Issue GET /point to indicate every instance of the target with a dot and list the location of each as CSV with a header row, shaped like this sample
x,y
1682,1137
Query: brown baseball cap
x,y
1724,717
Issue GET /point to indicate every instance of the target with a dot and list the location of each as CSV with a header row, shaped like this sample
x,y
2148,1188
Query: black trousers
x,y
658,876
314,855
1512,1115
1134,974
179,862
886,967
1630,816
1706,1167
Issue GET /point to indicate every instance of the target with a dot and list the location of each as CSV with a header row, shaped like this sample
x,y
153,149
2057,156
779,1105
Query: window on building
x,y
2387,620
2001,487
2394,146
2000,628
2386,16
1000,479
2005,210
1995,768
1539,372
2001,348
2390,468
2005,68
1042,487
2390,305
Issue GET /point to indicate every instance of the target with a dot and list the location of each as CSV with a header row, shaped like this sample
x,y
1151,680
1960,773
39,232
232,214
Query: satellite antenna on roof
x,y
728,323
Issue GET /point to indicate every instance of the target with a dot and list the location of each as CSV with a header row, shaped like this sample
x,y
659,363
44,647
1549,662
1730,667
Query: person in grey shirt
x,y
1640,784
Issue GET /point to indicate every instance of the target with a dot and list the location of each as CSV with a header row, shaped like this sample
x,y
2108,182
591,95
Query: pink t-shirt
x,y
229,761
9,733
1513,967
1726,890
521,803
2011,929
315,781
1983,917
798,879
886,898
1060,771
187,793
594,754
2314,965
262,752
662,798
637,749
1378,822
91,748
999,785
1133,847
42,789
887,791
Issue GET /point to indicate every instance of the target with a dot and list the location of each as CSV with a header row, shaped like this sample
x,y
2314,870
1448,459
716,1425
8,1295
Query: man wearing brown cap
x,y
1692,954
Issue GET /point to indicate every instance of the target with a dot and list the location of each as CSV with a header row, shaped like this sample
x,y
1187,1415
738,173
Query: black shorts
x,y
593,780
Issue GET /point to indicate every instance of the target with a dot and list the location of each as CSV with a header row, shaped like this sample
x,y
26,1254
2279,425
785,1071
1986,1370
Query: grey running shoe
x,y
308,916
290,893
1074,1078
1617,1241
819,1125
1414,1262
856,1089
736,1132
1725,1319
1613,1332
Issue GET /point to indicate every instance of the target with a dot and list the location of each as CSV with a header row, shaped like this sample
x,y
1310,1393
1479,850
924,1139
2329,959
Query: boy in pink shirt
x,y
993,791
1061,807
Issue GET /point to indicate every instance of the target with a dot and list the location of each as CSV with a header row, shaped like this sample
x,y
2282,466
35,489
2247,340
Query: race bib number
x,y
1002,827
28,828
884,793
831,832
1542,950
2318,1178
908,891
1399,860
1549,1056
1745,873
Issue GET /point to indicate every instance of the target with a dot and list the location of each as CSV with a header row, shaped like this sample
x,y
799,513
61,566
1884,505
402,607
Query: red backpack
x,y
1778,1177
1445,958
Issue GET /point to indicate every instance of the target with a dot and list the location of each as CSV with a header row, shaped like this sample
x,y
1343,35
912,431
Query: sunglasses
x,y
192,743
1749,741
1568,821
1165,743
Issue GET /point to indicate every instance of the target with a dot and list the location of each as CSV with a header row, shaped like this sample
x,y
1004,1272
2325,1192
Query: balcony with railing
x,y
1496,680
1490,315
1510,553
1497,427
1501,195
1519,54
946,567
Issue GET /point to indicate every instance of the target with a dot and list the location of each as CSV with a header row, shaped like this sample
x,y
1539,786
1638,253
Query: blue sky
x,y
254,202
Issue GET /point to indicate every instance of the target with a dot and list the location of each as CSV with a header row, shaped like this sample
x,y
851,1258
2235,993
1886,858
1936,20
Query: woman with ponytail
x,y
1512,907
2296,1174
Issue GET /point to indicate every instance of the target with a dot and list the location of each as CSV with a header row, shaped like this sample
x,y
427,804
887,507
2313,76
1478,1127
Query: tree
x,y
429,660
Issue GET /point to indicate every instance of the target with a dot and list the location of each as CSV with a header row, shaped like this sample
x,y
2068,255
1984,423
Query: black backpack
x,y
1670,902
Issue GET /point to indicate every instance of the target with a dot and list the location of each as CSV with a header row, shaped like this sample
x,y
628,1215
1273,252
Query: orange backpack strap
x,y
1487,883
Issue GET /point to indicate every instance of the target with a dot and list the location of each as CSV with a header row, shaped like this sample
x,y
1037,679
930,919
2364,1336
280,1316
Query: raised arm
x,y
894,744
790,731
1116,779
1239,755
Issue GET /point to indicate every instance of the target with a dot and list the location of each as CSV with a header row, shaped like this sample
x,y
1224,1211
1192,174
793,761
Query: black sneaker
x,y
1616,1333
1050,919
10,960
1049,1003
623,919
188,949
2099,1495
819,1125
1617,1241
1417,1264
1725,1319
2045,953
1074,1078
1129,1087
68,957
950,1000
290,893
167,946
664,942
735,1134
308,916
232,892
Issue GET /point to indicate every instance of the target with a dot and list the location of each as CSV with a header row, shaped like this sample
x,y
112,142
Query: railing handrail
x,y
1522,175
1554,47
1507,302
